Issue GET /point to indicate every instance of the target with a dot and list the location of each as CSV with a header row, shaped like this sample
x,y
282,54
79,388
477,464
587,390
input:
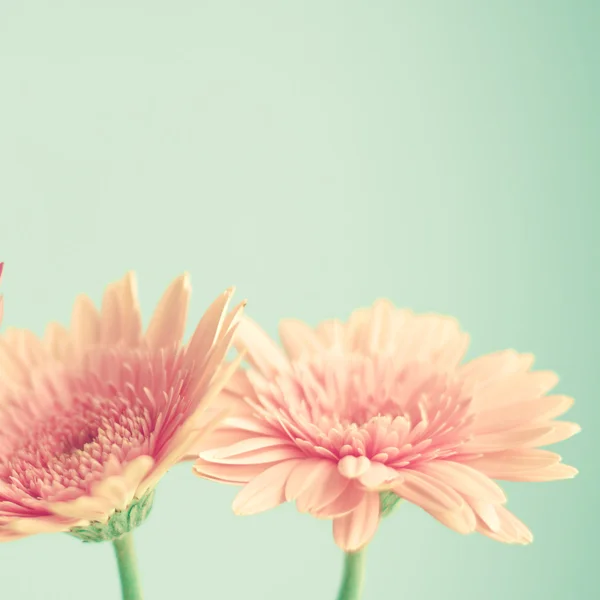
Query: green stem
x,y
354,576
128,571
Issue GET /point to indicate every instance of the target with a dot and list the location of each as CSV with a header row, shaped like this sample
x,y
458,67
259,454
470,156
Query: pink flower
x,y
92,417
382,404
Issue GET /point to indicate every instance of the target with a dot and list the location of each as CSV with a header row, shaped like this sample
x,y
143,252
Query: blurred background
x,y
318,155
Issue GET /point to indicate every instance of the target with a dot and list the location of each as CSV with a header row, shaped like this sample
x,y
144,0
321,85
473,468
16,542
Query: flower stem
x,y
131,585
354,576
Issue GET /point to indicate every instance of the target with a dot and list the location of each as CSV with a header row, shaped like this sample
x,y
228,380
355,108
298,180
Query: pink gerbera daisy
x,y
91,417
354,416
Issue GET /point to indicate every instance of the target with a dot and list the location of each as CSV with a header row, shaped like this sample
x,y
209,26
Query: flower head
x,y
93,416
382,404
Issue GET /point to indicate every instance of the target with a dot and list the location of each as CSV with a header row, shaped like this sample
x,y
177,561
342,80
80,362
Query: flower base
x,y
120,523
389,502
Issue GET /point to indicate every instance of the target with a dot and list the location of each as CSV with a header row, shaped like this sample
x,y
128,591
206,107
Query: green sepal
x,y
389,502
120,523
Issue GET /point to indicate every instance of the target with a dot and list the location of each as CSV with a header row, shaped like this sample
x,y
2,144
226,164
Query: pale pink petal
x,y
115,490
86,507
462,519
253,451
305,473
538,411
449,356
331,333
298,338
465,480
232,474
354,466
522,464
209,328
379,476
551,473
346,502
260,350
357,330
168,321
381,334
526,437
509,530
85,324
49,524
13,368
119,320
57,341
355,530
427,492
265,491
514,389
11,536
487,513
236,429
326,485
487,369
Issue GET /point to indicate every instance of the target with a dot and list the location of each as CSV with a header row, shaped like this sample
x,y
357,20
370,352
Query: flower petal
x,y
85,324
465,480
427,492
231,474
509,530
168,321
298,339
325,487
379,476
354,530
346,502
261,350
265,491
354,466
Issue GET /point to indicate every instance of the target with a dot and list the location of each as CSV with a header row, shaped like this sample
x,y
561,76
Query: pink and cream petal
x,y
512,416
168,322
265,491
490,368
516,388
298,339
304,475
464,480
232,474
85,508
354,466
379,477
260,349
509,530
331,333
58,342
208,330
462,519
522,464
427,492
85,325
326,485
356,529
46,524
346,502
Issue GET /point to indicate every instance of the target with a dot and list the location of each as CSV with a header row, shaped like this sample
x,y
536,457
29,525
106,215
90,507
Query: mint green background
x,y
318,155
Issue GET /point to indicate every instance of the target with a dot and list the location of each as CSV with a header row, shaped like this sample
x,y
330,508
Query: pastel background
x,y
317,155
